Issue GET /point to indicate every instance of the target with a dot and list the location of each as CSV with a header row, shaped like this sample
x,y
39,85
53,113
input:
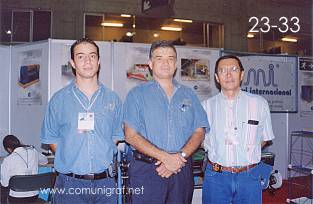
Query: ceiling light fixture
x,y
171,28
249,35
286,39
183,20
112,24
126,15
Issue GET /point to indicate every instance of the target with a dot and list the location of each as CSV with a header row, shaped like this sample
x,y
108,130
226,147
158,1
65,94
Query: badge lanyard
x,y
23,158
89,107
86,121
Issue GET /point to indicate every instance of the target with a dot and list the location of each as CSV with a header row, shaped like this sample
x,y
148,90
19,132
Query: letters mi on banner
x,y
273,77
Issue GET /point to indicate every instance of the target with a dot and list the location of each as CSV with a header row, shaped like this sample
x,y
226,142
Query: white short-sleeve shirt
x,y
22,161
238,128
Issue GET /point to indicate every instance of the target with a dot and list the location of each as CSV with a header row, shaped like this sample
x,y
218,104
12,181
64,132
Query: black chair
x,y
35,182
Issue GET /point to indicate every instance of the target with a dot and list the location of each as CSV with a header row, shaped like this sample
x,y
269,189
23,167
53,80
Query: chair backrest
x,y
22,183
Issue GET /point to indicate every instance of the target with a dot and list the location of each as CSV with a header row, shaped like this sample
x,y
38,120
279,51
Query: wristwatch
x,y
183,154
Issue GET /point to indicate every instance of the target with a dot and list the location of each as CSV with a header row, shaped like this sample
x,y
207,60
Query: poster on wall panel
x,y
195,69
130,66
272,76
66,68
29,89
305,77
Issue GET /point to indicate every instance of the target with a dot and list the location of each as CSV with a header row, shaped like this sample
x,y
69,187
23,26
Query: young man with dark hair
x,y
164,124
82,125
240,126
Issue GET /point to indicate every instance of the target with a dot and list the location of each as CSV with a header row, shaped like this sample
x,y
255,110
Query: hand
x,y
173,162
163,171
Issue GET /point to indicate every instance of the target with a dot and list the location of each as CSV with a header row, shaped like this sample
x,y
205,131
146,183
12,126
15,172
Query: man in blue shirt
x,y
164,123
82,123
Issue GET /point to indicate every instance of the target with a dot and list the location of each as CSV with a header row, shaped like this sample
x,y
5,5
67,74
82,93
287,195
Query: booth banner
x,y
194,69
66,67
274,78
29,91
129,66
137,70
305,77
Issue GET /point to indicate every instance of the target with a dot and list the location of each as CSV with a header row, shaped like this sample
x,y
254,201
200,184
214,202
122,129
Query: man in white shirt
x,y
22,160
240,126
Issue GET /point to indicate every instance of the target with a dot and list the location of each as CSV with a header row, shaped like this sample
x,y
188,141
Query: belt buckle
x,y
216,167
89,176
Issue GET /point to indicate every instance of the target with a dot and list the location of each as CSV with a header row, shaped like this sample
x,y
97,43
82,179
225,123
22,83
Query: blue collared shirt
x,y
238,128
166,124
82,152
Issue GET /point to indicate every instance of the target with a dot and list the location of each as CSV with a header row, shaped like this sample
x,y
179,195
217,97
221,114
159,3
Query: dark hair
x,y
162,43
228,57
223,58
80,41
10,141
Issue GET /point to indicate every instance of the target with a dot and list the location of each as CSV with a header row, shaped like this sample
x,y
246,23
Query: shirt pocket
x,y
251,133
104,118
185,116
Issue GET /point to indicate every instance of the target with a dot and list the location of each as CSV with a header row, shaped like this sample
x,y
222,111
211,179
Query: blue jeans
x,y
80,191
227,187
177,189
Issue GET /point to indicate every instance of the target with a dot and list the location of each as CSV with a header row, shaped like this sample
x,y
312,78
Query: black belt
x,y
102,175
142,157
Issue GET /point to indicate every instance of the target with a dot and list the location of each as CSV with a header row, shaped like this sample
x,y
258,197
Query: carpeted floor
x,y
299,187
276,197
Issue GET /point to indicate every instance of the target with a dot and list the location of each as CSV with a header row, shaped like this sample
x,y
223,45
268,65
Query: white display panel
x,y
4,94
130,66
305,87
195,69
29,90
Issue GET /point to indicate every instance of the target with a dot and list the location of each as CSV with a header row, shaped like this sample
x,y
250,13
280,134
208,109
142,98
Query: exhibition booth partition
x,y
31,73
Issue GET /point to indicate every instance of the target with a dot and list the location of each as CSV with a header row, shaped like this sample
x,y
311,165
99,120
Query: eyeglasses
x,y
225,70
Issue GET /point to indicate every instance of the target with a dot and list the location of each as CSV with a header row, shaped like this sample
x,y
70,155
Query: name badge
x,y
86,122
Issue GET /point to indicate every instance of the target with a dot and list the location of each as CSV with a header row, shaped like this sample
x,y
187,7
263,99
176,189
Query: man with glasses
x,y
240,127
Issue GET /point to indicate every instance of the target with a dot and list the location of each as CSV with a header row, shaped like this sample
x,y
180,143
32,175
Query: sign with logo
x,y
305,77
274,78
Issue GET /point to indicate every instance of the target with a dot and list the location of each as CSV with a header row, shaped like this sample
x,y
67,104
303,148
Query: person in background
x,y
82,124
22,160
165,124
240,127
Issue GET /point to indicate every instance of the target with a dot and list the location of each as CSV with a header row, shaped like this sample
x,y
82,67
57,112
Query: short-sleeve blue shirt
x,y
166,124
83,152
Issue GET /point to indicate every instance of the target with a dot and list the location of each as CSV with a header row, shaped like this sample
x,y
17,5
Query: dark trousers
x,y
5,197
79,191
15,200
146,186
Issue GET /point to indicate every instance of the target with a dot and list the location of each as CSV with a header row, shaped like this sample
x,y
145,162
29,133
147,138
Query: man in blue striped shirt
x,y
164,123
